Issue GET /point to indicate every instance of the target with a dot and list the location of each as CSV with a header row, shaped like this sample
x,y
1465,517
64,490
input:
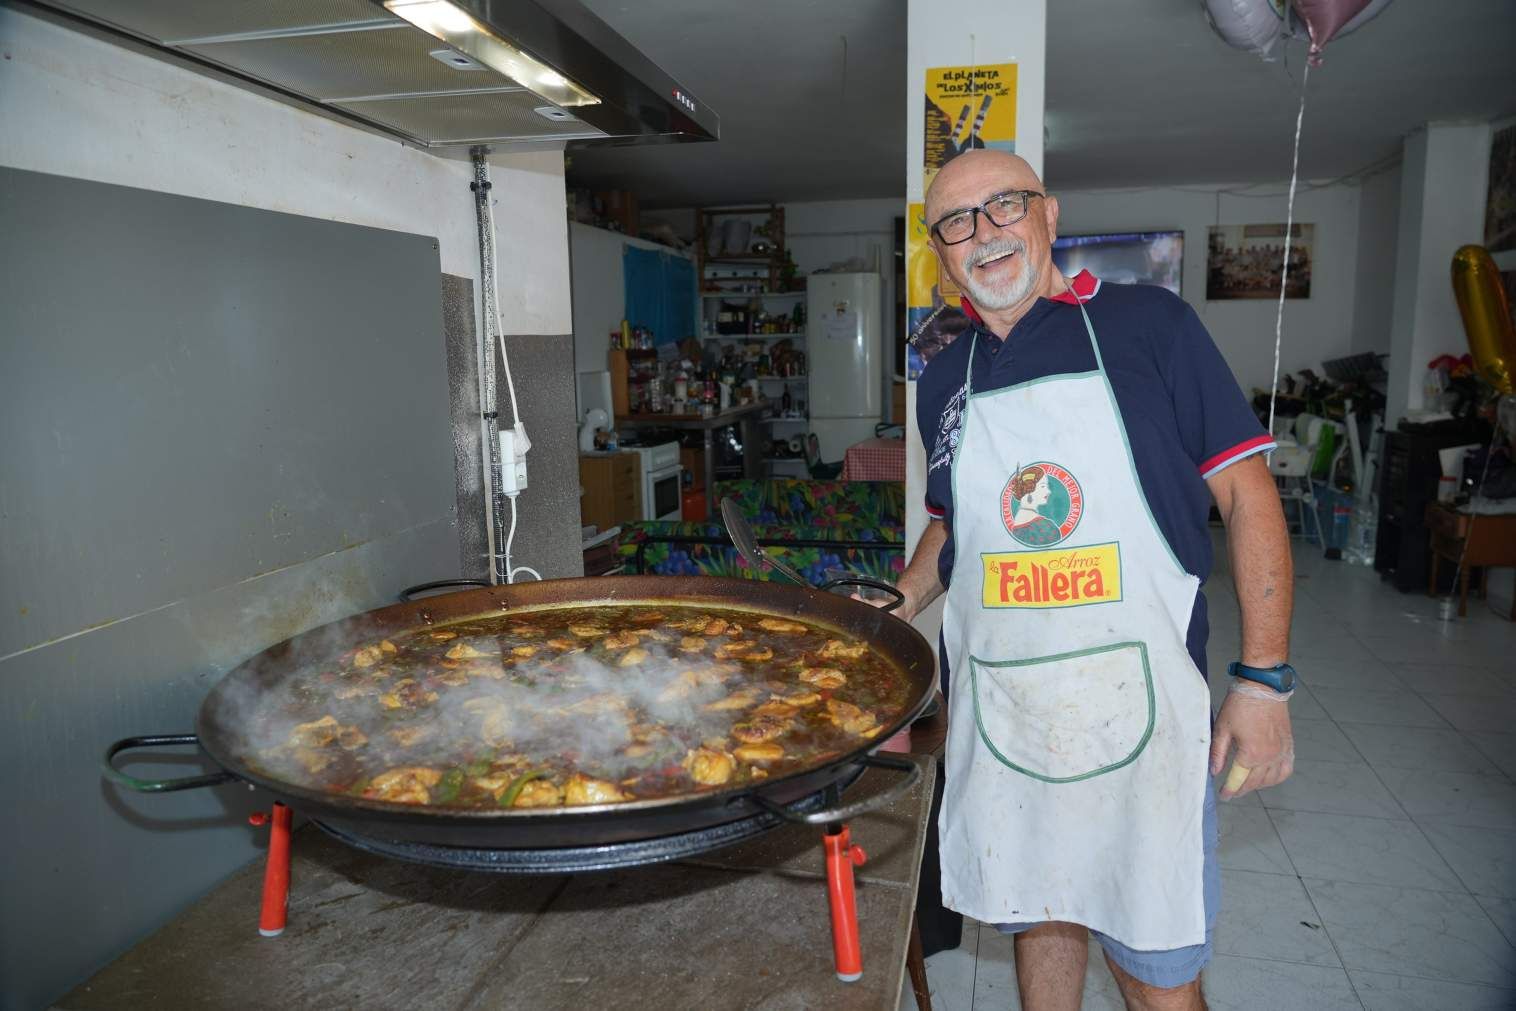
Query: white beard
x,y
997,297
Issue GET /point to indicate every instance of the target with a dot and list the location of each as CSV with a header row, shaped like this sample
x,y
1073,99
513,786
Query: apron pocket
x,y
1067,717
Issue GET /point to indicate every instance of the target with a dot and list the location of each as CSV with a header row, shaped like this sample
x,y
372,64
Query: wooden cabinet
x,y
612,489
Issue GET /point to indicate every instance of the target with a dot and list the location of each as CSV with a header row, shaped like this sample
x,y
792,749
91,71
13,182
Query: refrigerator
x,y
845,359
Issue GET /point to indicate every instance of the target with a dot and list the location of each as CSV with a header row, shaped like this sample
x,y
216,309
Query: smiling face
x,y
1003,269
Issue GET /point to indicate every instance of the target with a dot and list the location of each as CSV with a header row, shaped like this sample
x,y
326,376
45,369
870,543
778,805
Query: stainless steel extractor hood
x,y
437,74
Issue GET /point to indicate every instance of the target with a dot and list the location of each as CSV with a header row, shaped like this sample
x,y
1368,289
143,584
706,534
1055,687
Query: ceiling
x,y
806,117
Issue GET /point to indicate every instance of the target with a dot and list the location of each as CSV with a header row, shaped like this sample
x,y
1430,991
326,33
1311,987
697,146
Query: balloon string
x,y
1289,233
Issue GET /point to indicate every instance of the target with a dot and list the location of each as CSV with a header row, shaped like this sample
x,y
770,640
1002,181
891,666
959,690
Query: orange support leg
x,y
841,857
276,871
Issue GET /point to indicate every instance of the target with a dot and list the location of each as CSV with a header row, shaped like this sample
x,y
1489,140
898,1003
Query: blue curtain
x,y
660,293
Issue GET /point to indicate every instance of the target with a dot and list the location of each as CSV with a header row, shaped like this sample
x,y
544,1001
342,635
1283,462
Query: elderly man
x,y
1075,437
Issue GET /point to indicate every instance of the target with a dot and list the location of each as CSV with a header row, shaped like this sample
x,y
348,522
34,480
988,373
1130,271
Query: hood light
x,y
458,29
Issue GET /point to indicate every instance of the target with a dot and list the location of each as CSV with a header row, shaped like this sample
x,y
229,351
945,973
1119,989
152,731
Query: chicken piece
x,y
836,649
763,751
406,785
648,618
633,656
524,652
759,728
621,640
739,699
367,656
561,644
453,678
317,733
691,644
349,738
696,624
353,689
314,759
679,687
656,634
391,700
407,736
720,626
539,793
386,646
494,781
443,636
758,654
709,767
783,710
588,631
736,650
823,677
601,702
527,631
463,651
582,789
782,626
798,697
851,718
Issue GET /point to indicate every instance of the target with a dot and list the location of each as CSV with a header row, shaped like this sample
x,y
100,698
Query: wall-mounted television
x,y
1124,257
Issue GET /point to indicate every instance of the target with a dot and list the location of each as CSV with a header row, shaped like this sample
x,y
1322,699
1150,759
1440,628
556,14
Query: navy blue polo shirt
x,y
1185,417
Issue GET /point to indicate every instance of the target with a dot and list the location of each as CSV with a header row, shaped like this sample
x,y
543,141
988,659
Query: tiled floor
x,y
1383,873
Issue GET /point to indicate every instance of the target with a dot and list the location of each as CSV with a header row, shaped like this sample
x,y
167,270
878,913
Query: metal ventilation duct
x,y
436,74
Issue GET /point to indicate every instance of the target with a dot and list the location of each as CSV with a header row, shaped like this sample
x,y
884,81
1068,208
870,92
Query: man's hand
x,y
1258,723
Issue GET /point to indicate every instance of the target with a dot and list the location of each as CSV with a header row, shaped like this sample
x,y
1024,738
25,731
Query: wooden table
x,y
744,415
1481,541
738,928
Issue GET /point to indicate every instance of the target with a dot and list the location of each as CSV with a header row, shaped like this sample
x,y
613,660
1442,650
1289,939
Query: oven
x,y
662,481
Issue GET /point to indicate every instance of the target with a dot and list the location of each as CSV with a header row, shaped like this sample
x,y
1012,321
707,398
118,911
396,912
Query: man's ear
x,y
1051,212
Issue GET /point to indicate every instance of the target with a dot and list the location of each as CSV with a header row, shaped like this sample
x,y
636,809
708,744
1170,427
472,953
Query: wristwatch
x,y
1281,677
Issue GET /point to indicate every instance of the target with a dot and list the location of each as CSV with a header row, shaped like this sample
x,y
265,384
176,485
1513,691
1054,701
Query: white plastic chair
x,y
1290,466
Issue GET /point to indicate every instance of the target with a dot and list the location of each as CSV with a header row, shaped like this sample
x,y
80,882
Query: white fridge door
x,y
844,346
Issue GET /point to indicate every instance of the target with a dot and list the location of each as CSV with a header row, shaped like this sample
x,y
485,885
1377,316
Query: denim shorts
x,y
1176,966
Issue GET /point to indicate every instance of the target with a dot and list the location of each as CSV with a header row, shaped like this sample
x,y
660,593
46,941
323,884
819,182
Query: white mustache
x,y
990,250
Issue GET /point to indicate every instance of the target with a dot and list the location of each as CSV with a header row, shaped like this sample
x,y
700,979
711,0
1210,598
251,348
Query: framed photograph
x,y
1500,202
1245,261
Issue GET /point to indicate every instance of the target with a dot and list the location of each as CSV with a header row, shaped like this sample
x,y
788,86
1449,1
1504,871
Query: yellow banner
x,y
966,108
1063,577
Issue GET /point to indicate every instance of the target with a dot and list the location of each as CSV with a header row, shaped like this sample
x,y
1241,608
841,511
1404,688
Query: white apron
x,y
1079,727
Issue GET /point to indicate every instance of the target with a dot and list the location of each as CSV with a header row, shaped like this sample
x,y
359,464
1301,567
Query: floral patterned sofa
x,y
810,525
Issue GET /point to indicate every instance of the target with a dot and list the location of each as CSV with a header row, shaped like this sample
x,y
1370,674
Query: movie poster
x,y
966,108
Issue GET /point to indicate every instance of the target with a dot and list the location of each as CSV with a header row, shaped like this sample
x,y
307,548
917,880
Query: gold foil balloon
x,y
1486,316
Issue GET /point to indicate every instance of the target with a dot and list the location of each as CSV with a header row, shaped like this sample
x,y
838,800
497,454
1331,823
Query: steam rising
x,y
589,708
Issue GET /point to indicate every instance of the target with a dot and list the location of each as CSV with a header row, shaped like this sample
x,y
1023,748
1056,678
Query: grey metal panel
x,y
193,393
462,338
221,426
547,534
89,869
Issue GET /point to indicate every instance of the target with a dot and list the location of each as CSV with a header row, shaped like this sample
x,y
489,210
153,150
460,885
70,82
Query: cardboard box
x,y
897,404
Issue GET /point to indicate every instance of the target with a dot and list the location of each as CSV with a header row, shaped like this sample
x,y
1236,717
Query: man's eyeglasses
x,y
1001,209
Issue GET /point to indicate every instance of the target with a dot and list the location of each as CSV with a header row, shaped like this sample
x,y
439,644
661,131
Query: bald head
x,y
982,171
1005,263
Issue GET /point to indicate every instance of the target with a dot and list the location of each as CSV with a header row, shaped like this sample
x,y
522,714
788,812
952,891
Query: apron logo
x,y
1067,577
1041,505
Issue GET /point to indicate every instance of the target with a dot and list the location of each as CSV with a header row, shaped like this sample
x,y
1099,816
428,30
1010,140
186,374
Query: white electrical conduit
x,y
490,297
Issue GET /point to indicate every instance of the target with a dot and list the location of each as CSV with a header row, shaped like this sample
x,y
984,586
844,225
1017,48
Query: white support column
x,y
1442,195
955,33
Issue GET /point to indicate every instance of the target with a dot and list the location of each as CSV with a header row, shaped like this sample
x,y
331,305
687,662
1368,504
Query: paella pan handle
x,y
408,594
872,584
120,778
844,812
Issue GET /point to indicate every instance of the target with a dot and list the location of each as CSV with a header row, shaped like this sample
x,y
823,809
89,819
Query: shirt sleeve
x,y
1215,420
929,407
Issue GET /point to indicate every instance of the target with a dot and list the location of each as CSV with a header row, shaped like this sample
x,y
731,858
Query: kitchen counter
x,y
745,415
741,927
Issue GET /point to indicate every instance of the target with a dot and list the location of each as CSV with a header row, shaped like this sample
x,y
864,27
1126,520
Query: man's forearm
x,y
1259,545
920,582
